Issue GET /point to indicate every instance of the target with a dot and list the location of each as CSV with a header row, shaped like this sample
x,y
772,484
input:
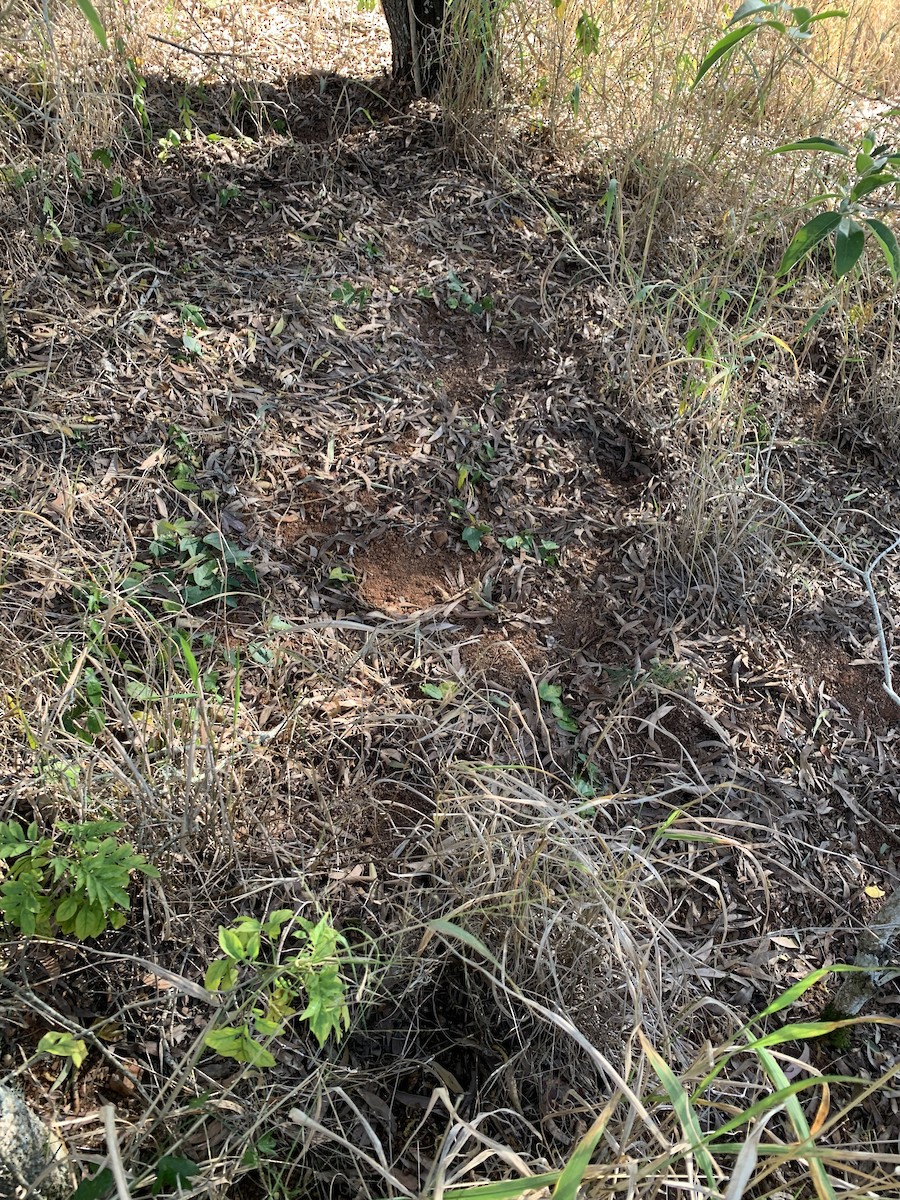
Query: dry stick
x,y
154,37
875,942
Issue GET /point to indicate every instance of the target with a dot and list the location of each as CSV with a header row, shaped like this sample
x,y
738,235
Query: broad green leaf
x,y
93,19
171,1172
472,536
63,1045
806,238
221,975
871,183
231,944
822,145
887,240
275,920
748,8
849,243
587,34
97,1187
235,1042
722,47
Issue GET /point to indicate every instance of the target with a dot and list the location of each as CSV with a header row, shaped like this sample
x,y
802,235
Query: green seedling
x,y
543,550
274,980
551,694
438,691
347,293
473,535
459,297
71,881
63,1045
190,568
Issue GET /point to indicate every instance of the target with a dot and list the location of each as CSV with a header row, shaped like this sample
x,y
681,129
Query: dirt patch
x,y
401,574
507,659
856,687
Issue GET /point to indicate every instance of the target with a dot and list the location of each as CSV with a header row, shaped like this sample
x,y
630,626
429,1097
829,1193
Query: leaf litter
x,y
385,349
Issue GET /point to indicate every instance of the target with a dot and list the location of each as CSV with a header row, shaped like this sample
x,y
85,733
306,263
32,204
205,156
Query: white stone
x,y
32,1158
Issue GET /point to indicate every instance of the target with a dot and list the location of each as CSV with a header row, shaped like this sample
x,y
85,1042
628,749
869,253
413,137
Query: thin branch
x,y
154,37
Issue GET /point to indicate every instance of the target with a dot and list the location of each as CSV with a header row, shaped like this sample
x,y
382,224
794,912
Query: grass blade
x,y
93,19
681,1102
573,1173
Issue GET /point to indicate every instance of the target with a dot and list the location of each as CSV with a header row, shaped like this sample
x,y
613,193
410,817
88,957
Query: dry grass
x,y
564,925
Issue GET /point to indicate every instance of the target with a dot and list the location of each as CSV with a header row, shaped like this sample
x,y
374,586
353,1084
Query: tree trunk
x,y
415,27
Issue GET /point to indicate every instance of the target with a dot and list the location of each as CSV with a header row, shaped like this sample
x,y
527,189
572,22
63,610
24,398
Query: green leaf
x,y
505,1189
748,8
96,1187
888,242
849,243
812,144
472,536
67,909
235,1042
231,944
268,1026
190,343
722,47
806,238
327,1010
451,930
817,316
221,975
171,1172
826,16
437,691
587,34
63,1045
93,19
569,1182
275,920
870,183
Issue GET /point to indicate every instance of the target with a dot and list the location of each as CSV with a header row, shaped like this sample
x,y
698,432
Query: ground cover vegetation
x,y
448,584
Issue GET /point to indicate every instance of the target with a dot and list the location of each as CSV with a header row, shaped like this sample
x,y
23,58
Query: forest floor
x,y
450,669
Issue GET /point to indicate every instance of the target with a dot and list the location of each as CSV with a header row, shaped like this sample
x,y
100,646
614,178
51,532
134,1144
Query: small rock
x,y
32,1158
